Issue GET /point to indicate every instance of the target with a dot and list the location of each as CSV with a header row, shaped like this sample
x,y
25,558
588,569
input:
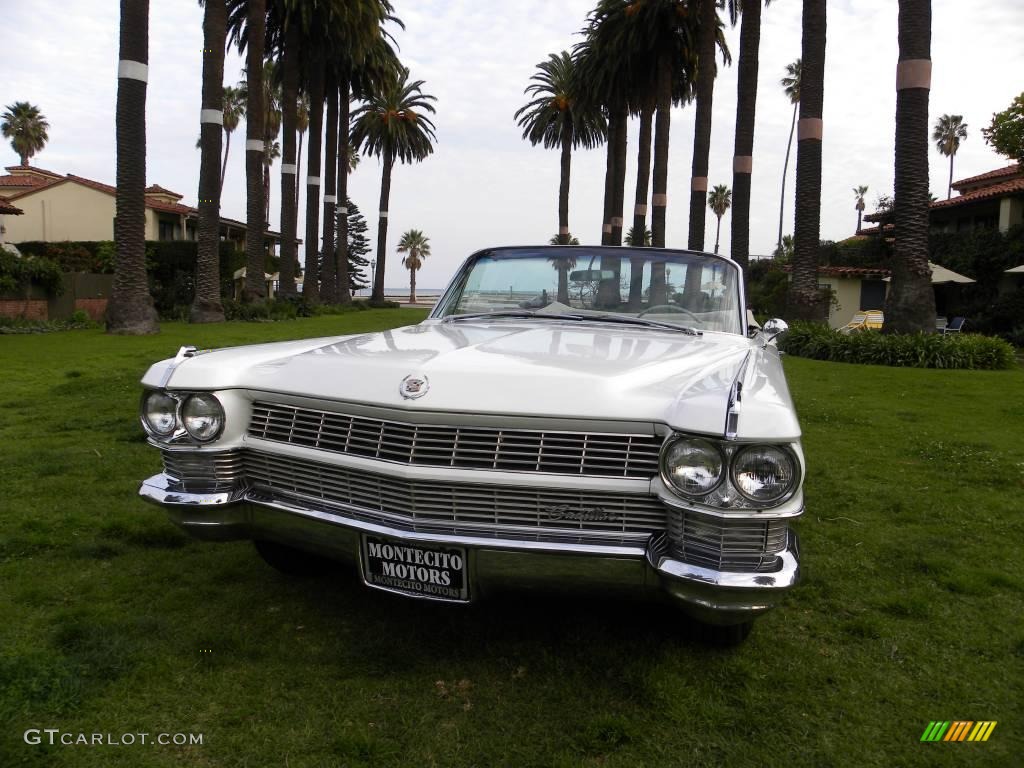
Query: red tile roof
x,y
21,181
156,189
165,207
1009,170
6,207
1002,189
93,184
27,169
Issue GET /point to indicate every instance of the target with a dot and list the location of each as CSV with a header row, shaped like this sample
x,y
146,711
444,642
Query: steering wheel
x,y
671,308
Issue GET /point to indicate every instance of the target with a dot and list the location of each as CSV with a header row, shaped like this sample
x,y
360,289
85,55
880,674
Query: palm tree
x,y
206,306
247,24
804,300
858,194
563,263
328,263
639,237
949,131
573,240
746,108
558,117
26,127
416,248
791,87
707,36
286,37
719,201
910,305
392,125
234,108
130,310
301,125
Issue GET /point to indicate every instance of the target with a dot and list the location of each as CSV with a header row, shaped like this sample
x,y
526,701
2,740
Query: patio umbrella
x,y
943,276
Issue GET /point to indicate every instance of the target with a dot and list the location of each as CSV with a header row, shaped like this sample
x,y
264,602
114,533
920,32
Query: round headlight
x,y
764,473
159,414
203,417
692,466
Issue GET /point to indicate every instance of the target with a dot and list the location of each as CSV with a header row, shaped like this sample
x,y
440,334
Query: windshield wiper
x,y
512,313
629,320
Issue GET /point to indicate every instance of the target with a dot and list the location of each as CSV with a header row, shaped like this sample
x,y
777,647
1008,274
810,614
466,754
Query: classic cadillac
x,y
566,418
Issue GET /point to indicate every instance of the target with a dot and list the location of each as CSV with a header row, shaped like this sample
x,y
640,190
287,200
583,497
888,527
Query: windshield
x,y
677,288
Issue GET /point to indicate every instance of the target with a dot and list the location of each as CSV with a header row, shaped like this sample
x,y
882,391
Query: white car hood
x,y
522,368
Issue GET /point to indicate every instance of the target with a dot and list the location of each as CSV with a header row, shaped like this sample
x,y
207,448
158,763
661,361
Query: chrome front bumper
x,y
718,597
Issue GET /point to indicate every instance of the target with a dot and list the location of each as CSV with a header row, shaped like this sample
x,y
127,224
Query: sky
x,y
483,185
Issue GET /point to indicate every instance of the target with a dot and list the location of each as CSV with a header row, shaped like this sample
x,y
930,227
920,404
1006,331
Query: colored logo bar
x,y
958,730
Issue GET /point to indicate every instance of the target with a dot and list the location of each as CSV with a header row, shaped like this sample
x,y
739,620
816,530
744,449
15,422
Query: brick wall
x,y
30,309
96,308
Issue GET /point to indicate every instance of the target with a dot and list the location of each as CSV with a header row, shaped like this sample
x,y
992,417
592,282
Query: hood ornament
x,y
413,386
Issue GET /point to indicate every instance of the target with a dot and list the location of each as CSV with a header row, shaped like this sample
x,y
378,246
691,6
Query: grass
x,y
113,622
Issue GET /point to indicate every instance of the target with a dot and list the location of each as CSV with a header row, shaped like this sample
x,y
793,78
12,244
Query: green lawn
x,y
910,610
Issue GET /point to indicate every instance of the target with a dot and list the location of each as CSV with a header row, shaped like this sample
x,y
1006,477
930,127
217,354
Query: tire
x,y
291,561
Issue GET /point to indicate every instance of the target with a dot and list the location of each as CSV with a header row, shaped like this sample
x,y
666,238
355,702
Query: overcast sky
x,y
484,185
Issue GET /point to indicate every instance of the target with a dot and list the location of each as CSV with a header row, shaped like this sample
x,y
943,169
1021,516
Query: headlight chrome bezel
x,y
666,477
144,414
726,496
180,431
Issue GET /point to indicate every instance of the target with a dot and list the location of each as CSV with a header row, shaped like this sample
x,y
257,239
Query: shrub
x,y
13,325
17,273
268,311
904,350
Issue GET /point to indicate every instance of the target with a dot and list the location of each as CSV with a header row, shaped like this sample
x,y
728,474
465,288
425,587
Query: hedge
x,y
17,274
919,350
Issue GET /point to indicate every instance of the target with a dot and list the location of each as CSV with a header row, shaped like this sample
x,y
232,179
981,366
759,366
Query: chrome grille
x,y
726,545
571,453
503,511
204,472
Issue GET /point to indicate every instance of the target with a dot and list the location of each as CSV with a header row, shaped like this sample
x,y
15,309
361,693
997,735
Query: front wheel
x,y
291,561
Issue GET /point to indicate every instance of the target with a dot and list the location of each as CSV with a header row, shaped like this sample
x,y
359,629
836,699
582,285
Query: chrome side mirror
x,y
773,328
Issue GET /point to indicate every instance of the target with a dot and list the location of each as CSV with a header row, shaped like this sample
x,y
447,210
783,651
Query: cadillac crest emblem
x,y
413,386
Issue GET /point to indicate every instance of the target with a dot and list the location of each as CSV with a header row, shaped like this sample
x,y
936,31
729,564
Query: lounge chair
x,y
873,319
855,324
940,325
955,326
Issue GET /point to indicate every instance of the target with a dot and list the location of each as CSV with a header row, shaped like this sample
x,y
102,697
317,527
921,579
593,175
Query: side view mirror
x,y
774,328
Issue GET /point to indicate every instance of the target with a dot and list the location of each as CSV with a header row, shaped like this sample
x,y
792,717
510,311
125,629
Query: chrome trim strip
x,y
162,489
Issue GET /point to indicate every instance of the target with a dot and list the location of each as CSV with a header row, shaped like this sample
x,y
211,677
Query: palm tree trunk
x,y
206,307
619,180
377,297
659,196
910,306
563,281
804,300
563,190
718,232
785,170
266,183
344,293
609,183
289,116
412,286
328,279
662,124
298,164
130,310
859,214
746,106
311,287
705,91
643,182
949,189
255,217
224,164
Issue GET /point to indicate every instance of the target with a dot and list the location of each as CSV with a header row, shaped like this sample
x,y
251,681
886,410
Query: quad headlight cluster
x,y
166,415
718,473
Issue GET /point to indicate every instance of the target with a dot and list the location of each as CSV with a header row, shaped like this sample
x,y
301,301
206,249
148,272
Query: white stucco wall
x,y
63,212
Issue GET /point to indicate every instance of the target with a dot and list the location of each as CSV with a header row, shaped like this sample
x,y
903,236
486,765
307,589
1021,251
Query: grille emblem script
x,y
413,386
583,514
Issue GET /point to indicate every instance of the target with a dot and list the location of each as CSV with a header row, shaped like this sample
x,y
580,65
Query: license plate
x,y
434,572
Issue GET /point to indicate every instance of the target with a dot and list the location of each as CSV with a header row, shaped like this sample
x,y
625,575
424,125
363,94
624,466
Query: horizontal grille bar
x,y
726,545
570,453
204,472
505,511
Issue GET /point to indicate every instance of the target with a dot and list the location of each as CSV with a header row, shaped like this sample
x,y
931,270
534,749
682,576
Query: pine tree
x,y
358,247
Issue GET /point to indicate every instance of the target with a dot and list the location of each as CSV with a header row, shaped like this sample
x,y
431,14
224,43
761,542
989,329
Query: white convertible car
x,y
566,418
